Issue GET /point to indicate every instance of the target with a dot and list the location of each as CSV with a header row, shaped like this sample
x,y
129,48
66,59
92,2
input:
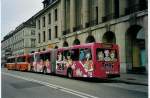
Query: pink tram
x,y
40,62
92,60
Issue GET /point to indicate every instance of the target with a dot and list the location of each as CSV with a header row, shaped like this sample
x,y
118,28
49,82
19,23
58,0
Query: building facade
x,y
48,25
63,23
20,41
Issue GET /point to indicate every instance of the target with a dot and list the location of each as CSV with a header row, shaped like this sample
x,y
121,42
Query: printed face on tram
x,y
85,54
59,56
88,55
68,55
106,55
100,56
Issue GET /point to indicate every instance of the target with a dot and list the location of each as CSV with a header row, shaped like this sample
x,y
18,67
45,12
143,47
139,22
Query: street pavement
x,y
16,84
18,88
139,79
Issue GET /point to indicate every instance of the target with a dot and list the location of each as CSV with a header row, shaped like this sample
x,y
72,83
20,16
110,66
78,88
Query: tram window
x,y
88,54
82,55
47,56
41,56
8,60
21,59
37,57
18,59
85,54
106,54
60,56
30,59
66,54
11,60
75,54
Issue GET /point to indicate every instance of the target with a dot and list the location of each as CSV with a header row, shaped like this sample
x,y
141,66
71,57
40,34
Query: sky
x,y
15,12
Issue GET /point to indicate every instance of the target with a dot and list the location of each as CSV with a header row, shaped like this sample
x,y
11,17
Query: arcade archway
x,y
65,44
90,39
135,49
109,37
76,42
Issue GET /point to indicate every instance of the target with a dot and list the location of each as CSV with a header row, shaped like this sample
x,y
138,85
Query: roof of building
x,y
50,5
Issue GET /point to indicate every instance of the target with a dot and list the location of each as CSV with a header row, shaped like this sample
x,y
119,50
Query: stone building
x,y
63,23
22,40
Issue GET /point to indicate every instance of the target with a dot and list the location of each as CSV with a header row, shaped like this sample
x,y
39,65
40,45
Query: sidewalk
x,y
133,79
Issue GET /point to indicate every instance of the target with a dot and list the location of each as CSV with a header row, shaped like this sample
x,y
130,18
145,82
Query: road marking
x,y
63,89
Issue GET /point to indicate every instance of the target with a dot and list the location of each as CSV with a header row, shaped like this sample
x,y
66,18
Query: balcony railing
x,y
66,32
135,8
91,23
77,28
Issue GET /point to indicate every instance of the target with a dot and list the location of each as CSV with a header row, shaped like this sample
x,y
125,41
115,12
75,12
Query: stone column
x,y
62,15
85,12
72,14
101,10
122,7
112,7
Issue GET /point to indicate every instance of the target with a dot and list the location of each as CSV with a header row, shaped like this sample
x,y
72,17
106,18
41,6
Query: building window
x,y
44,21
56,31
39,37
116,8
55,14
49,34
32,42
49,18
39,23
32,32
96,10
43,36
23,43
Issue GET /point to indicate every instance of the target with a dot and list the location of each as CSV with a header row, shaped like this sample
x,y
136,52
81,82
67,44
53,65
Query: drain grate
x,y
22,85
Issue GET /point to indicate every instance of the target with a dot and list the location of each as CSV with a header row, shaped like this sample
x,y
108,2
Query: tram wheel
x,y
44,70
69,73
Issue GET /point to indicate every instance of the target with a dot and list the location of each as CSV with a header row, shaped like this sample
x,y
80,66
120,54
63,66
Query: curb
x,y
132,82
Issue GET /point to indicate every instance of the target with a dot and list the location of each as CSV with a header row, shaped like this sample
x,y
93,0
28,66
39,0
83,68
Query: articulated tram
x,y
93,60
11,63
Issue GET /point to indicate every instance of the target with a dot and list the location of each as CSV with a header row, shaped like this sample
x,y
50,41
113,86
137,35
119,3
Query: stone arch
x,y
65,44
90,39
32,51
76,42
56,47
43,49
135,49
109,37
39,50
